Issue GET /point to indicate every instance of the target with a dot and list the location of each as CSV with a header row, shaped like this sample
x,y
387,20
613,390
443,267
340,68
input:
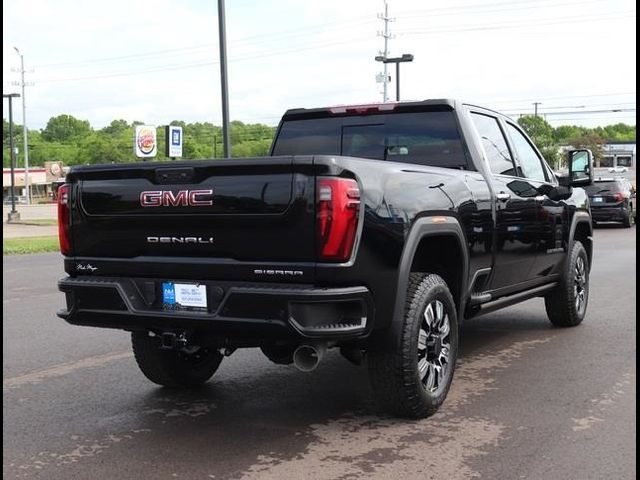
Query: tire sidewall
x,y
578,251
413,319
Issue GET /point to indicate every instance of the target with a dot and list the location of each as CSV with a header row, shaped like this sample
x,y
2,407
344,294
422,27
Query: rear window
x,y
603,187
425,138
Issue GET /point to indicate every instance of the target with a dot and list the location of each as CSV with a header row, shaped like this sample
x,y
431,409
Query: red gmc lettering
x,y
167,198
180,198
151,199
195,193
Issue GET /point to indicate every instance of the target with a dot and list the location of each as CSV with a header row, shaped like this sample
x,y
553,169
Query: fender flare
x,y
578,218
422,228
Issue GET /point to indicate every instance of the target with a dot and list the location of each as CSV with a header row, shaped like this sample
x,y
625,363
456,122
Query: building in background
x,y
618,154
42,181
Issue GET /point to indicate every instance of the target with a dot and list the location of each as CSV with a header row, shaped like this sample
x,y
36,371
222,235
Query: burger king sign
x,y
145,142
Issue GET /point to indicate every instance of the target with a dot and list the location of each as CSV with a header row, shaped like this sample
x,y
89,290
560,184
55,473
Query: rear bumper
x,y
249,311
608,214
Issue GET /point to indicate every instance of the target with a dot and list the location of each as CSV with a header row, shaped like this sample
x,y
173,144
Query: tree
x,y
593,142
542,135
65,128
116,127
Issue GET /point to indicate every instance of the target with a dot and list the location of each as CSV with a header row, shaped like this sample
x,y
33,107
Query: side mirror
x,y
580,168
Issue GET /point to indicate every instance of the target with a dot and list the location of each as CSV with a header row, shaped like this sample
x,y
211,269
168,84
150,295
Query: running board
x,y
513,299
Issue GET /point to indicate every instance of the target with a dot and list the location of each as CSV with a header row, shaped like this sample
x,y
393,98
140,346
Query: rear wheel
x,y
411,376
627,219
172,368
566,305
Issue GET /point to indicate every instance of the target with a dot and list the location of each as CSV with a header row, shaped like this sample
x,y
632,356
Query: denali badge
x,y
184,198
179,239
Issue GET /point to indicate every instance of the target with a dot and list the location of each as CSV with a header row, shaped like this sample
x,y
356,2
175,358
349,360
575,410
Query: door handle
x,y
503,197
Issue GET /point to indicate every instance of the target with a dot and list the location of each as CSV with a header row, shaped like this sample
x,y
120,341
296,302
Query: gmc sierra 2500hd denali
x,y
374,228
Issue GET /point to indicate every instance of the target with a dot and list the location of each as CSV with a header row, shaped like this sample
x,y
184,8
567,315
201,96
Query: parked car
x,y
612,200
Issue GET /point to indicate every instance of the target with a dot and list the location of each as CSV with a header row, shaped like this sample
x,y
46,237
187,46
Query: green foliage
x,y
591,140
542,135
64,128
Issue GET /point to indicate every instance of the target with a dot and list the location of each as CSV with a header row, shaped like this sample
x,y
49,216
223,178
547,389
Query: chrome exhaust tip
x,y
307,357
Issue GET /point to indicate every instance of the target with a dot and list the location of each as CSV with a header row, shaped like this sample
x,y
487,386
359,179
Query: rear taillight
x,y
618,197
338,206
64,219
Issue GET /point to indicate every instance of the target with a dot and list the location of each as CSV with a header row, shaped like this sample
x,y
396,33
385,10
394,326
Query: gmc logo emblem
x,y
184,198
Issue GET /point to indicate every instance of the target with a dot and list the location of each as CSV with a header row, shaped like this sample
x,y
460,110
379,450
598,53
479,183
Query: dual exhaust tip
x,y
307,357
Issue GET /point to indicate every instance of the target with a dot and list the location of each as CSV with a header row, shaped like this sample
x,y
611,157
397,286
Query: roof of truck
x,y
374,107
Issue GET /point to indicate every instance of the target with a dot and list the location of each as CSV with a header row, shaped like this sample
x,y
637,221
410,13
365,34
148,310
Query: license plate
x,y
176,295
597,199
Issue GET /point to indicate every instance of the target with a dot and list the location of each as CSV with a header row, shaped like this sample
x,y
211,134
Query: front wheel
x,y
172,368
566,304
412,374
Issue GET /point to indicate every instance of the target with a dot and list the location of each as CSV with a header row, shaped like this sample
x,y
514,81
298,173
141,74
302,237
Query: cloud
x,y
158,61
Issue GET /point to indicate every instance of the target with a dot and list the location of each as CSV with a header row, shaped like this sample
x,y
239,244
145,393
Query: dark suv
x,y
612,200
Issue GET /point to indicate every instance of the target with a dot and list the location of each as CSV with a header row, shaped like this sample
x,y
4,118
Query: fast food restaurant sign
x,y
145,142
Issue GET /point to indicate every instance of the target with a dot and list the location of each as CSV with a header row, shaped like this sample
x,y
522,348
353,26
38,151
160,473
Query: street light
x,y
13,214
406,57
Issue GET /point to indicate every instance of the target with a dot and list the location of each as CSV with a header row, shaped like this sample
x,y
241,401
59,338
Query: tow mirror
x,y
580,168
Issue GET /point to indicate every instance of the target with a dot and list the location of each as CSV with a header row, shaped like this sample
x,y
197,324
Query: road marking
x,y
62,369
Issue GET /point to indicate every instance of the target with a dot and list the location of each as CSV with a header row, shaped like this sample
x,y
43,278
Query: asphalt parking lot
x,y
528,400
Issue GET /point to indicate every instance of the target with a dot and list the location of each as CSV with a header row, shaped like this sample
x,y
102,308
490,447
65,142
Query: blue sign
x,y
168,293
173,139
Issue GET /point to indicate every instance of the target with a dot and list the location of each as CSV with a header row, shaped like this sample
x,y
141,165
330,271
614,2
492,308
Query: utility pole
x,y
386,35
535,108
226,138
24,129
14,215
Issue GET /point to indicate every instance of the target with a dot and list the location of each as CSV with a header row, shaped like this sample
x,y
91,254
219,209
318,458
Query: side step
x,y
512,299
478,298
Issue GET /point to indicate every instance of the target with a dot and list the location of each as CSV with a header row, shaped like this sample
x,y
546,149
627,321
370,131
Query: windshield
x,y
426,138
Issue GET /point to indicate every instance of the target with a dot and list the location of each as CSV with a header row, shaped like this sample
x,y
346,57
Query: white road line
x,y
62,369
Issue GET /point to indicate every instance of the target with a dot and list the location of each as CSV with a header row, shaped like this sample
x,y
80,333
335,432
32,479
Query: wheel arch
x,y
582,230
441,233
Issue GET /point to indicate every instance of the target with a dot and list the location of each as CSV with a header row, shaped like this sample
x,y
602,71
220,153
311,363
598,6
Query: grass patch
x,y
19,246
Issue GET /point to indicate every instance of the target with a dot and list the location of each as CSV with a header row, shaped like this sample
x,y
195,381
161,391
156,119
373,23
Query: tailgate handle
x,y
174,175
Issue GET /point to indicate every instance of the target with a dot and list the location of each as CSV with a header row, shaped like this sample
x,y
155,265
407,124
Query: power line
x,y
200,64
511,25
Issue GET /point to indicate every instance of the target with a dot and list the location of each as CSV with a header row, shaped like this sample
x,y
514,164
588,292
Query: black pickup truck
x,y
376,229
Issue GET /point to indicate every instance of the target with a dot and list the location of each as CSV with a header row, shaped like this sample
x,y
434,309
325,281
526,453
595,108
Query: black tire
x,y
564,308
395,368
171,368
626,219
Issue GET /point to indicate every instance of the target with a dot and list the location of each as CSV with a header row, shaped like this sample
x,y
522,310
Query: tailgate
x,y
242,209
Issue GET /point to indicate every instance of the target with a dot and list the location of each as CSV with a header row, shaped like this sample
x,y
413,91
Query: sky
x,y
158,61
